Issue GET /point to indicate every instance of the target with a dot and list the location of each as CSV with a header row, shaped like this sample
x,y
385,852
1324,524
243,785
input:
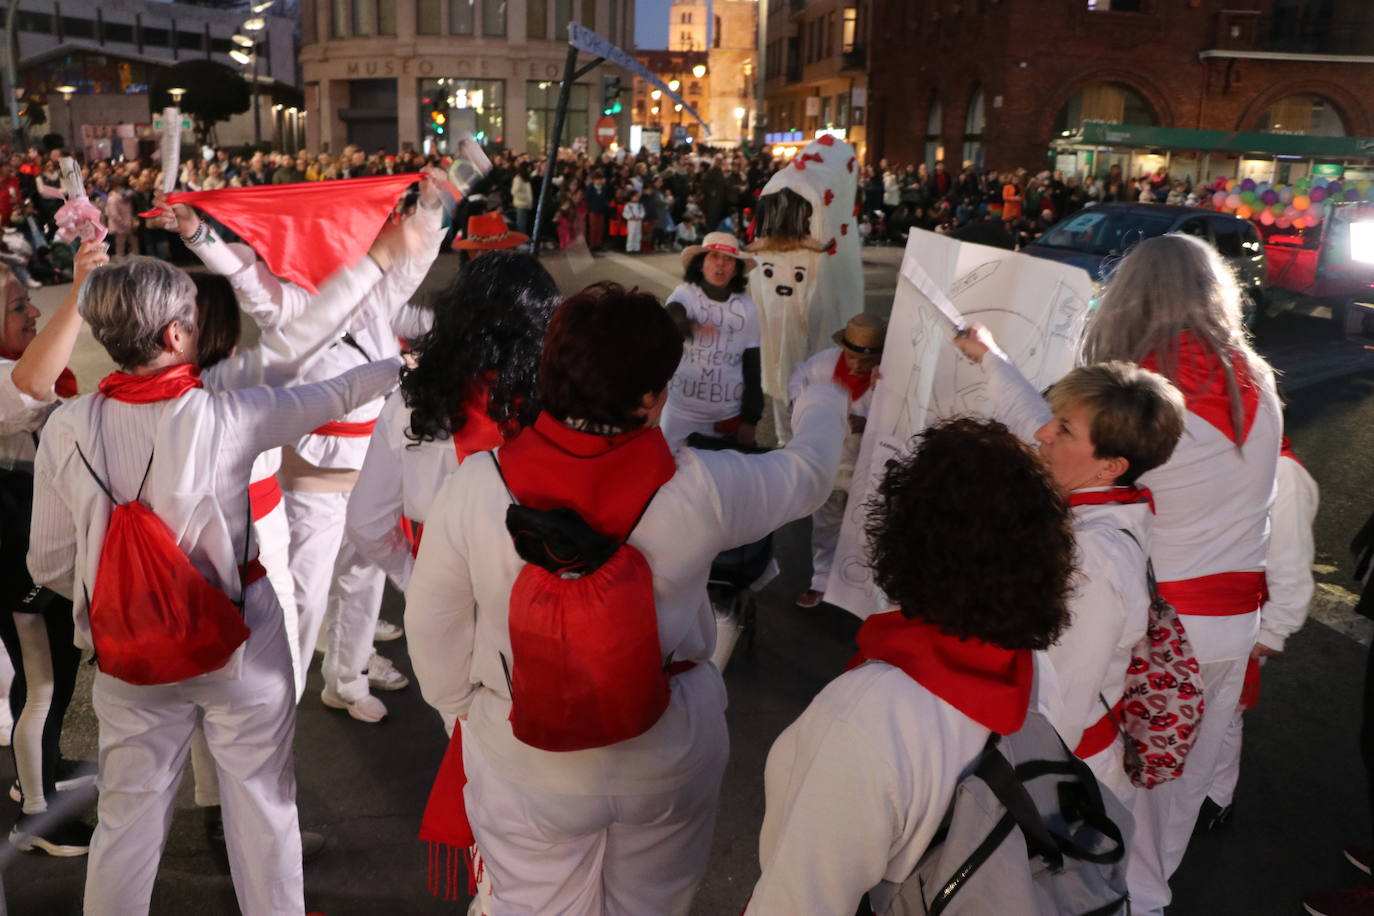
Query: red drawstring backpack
x,y
154,618
586,667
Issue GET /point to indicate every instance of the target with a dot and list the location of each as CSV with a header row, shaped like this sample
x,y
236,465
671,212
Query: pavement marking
x,y
1335,607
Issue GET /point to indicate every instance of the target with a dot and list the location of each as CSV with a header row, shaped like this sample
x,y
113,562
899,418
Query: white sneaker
x,y
382,674
368,709
386,631
31,283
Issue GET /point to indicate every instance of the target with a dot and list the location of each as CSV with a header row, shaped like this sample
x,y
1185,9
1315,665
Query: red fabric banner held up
x,y
305,231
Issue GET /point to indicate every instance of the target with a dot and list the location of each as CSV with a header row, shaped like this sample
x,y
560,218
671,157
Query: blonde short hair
x,y
1136,414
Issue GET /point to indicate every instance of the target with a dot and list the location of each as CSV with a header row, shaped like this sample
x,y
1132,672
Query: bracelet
x,y
195,238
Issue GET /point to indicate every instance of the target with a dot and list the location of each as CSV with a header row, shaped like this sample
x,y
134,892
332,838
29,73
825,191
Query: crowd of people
x,y
532,475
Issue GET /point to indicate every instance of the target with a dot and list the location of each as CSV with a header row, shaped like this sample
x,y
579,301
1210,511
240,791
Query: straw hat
x,y
489,232
864,334
723,242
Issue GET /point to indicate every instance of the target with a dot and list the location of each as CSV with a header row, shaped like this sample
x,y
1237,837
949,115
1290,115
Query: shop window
x,y
537,19
427,17
1302,114
494,17
849,36
475,105
541,100
1110,103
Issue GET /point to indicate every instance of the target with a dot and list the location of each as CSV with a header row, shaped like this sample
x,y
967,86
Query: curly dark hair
x,y
488,324
607,347
738,283
217,311
970,533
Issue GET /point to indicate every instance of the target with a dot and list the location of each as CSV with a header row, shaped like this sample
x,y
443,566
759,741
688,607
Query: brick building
x,y
996,82
815,65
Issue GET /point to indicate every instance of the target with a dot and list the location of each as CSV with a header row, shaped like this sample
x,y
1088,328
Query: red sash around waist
x,y
346,430
1221,595
1099,736
413,532
264,496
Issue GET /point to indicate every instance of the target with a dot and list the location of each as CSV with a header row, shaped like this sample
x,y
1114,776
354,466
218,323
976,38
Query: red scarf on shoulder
x,y
606,479
989,684
1202,379
1127,496
64,387
167,385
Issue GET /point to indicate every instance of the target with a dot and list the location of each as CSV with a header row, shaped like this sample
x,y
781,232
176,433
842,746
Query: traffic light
x,y
610,95
439,119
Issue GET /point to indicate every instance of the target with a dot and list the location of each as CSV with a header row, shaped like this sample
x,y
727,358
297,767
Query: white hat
x,y
723,242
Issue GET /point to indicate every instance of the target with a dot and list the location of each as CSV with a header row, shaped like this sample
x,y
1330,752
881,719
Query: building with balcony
x,y
1270,90
403,74
111,53
816,68
712,55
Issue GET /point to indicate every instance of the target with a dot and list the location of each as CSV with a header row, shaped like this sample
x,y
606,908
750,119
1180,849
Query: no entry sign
x,y
605,130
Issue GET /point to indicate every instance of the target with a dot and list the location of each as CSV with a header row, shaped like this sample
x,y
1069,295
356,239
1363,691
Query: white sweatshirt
x,y
399,477
1110,604
819,368
457,603
21,418
203,446
1291,549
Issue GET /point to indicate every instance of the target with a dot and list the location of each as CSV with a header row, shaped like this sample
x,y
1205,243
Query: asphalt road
x,y
1301,795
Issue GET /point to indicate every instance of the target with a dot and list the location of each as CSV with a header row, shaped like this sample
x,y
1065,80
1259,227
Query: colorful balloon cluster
x,y
1300,206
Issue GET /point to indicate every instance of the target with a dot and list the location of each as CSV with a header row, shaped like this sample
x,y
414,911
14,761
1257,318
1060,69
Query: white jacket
x,y
457,602
1289,570
821,368
1110,604
21,418
203,446
399,477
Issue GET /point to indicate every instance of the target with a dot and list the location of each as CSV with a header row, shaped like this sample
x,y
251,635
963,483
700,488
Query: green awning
x,y
1186,139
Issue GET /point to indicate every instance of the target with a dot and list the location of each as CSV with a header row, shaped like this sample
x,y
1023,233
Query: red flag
x,y
305,231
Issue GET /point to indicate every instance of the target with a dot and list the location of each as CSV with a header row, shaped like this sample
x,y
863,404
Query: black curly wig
x,y
970,533
490,320
738,283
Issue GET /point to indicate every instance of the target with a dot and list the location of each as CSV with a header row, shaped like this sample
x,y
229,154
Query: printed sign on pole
x,y
605,130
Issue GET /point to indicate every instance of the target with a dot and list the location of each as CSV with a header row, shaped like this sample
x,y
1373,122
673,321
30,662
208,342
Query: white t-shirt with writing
x,y
709,383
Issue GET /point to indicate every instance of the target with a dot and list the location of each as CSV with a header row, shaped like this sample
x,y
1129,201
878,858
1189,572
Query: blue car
x,y
1095,238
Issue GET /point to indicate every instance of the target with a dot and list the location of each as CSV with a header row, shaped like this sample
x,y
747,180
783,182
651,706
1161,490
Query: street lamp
x,y
673,85
176,95
699,71
255,25
67,93
740,112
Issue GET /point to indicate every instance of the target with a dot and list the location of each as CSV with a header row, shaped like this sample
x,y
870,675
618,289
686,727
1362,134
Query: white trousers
x,y
825,534
145,735
1223,790
317,526
634,235
1165,815
355,601
274,550
618,855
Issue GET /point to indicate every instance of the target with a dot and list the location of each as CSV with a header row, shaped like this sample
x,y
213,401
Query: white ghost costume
x,y
806,286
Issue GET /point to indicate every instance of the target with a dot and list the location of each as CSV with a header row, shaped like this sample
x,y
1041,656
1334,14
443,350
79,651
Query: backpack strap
x,y
1149,566
100,483
349,340
624,540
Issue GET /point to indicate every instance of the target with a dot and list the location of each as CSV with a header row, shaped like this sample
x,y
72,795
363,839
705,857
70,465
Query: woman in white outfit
x,y
155,419
1173,305
36,626
623,828
473,386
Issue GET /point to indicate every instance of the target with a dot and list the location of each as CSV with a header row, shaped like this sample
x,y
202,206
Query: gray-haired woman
x,y
153,421
1173,306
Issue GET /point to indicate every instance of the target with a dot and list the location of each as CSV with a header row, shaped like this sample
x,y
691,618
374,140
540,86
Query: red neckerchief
x,y
989,684
64,387
1127,496
607,479
167,385
1202,380
857,384
1286,451
479,432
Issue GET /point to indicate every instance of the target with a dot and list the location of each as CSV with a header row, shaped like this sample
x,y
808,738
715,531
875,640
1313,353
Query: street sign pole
x,y
546,186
